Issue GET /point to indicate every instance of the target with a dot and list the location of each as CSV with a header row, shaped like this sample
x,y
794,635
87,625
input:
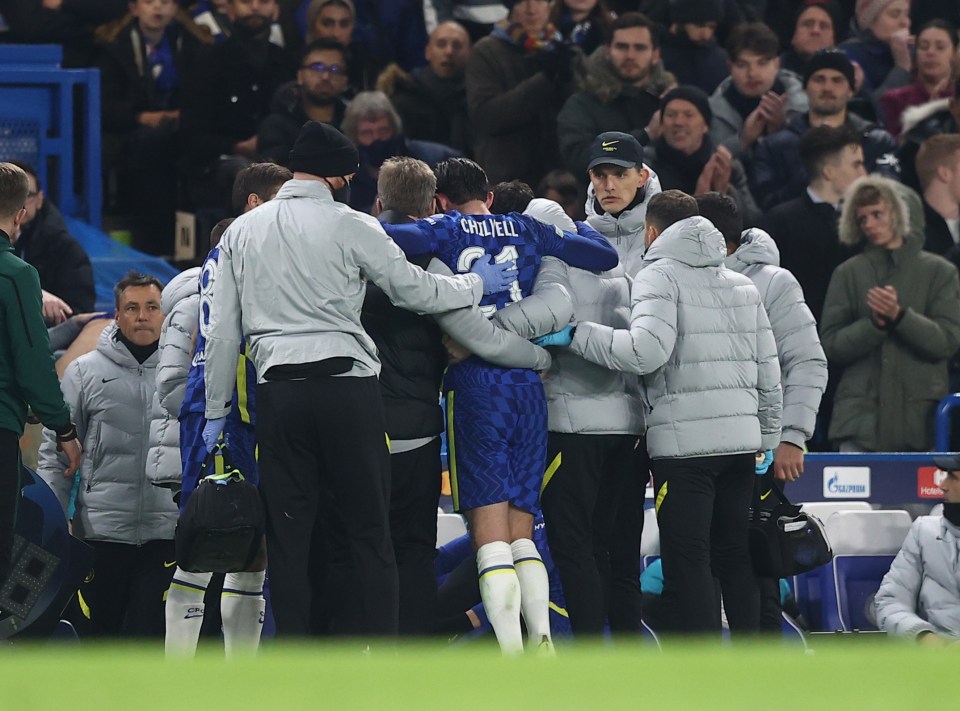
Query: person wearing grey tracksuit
x,y
701,340
803,365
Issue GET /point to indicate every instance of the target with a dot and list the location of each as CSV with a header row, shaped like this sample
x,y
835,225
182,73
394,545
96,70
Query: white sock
x,y
242,607
534,590
500,592
184,612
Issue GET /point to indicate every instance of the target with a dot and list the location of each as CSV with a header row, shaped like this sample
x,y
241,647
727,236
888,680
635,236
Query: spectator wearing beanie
x,y
935,50
776,172
881,44
685,157
690,50
816,26
321,438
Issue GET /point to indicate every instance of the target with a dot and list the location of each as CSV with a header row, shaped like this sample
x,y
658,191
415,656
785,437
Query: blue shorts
x,y
241,448
497,445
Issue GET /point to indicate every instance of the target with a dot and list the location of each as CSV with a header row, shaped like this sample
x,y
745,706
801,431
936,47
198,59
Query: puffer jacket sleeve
x,y
769,392
549,308
803,365
176,352
896,600
652,335
934,336
481,336
51,463
846,336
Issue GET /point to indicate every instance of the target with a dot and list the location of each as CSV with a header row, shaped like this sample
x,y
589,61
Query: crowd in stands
x,y
828,127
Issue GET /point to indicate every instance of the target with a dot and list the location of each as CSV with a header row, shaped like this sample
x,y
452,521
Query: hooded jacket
x,y
604,102
583,397
712,384
110,396
727,121
893,378
803,366
625,231
180,301
921,591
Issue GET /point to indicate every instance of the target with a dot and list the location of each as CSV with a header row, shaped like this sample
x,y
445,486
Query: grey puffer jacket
x,y
921,591
582,397
700,338
727,121
109,395
181,305
625,231
803,365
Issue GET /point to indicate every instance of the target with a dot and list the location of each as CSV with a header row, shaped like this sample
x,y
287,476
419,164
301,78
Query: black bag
x,y
785,541
222,527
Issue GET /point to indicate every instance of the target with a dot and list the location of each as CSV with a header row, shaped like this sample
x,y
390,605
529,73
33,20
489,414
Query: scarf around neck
x,y
514,33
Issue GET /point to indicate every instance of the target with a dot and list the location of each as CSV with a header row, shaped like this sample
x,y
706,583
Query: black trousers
x,y
9,495
123,595
703,509
415,482
770,607
593,507
325,479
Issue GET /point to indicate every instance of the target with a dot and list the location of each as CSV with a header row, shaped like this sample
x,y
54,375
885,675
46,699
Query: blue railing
x,y
50,118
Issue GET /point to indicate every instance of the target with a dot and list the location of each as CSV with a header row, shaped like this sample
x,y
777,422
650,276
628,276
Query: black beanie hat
x,y
831,7
694,95
829,59
323,151
695,12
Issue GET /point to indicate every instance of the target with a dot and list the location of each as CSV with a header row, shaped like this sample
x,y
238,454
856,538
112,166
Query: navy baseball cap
x,y
948,462
615,148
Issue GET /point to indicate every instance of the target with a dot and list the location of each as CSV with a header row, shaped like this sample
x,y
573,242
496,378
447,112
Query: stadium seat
x,y
807,587
449,527
864,545
650,540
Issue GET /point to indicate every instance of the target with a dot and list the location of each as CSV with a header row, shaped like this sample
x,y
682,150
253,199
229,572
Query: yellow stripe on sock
x,y
178,586
551,470
559,610
452,454
499,571
661,495
529,560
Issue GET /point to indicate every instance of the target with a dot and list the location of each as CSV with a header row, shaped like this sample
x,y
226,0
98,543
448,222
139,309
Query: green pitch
x,y
841,674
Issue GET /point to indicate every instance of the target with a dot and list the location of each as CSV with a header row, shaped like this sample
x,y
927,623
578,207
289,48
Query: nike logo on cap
x,y
606,144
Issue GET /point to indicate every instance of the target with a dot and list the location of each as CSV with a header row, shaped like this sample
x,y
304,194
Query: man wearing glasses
x,y
27,375
316,95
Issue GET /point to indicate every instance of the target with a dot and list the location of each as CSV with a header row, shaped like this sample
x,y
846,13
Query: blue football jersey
x,y
244,395
460,240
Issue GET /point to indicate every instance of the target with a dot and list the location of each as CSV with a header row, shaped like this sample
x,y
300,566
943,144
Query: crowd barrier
x,y
50,118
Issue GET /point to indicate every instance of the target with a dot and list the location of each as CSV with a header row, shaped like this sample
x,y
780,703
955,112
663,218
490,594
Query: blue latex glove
x,y
764,464
563,337
496,277
212,431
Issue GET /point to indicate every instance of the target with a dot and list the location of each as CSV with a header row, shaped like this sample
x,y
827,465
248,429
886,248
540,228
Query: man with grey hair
x,y
413,361
374,127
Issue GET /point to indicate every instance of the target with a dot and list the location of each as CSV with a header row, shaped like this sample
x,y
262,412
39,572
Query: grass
x,y
842,673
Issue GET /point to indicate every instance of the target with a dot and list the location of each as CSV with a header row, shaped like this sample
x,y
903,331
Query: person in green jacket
x,y
27,375
891,318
